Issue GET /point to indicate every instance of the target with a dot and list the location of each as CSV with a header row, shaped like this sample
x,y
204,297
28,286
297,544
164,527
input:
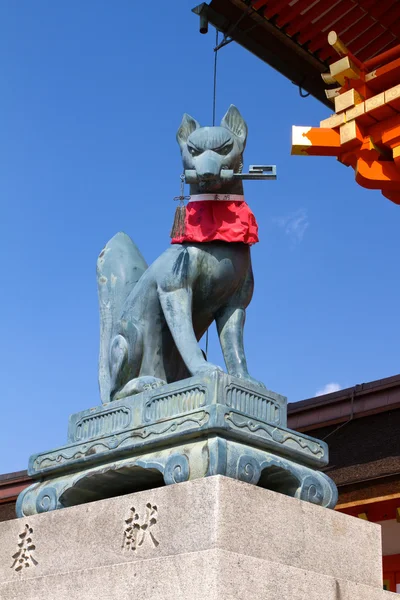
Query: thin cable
x,y
215,77
214,105
348,420
227,39
303,94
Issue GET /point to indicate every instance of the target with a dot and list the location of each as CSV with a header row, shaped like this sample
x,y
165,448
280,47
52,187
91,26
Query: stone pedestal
x,y
211,424
213,537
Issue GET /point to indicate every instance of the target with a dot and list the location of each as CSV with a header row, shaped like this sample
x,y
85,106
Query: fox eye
x,y
225,149
194,151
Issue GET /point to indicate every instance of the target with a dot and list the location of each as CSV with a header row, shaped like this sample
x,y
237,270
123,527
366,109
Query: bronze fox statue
x,y
151,318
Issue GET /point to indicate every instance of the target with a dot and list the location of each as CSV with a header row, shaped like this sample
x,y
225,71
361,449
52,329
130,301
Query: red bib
x,y
212,217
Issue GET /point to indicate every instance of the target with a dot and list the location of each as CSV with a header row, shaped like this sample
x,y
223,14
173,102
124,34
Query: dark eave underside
x,y
292,36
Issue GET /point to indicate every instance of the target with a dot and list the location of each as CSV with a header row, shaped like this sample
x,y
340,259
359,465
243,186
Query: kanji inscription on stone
x,y
137,528
24,558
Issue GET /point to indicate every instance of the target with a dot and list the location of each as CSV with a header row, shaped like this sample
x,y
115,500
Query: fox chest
x,y
220,277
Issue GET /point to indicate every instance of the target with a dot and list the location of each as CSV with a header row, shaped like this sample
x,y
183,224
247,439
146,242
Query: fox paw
x,y
250,379
206,368
138,385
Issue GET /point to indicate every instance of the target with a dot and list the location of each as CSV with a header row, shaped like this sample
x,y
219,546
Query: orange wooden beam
x,y
364,132
315,141
376,175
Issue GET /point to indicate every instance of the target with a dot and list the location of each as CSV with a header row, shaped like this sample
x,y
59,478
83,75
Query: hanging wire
x,y
215,77
227,39
303,94
214,105
351,417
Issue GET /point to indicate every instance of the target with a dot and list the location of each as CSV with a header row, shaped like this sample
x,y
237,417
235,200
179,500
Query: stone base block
x,y
208,538
203,426
212,574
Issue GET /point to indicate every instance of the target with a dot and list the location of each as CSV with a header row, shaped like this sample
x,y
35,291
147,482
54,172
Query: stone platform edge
x,y
200,515
214,574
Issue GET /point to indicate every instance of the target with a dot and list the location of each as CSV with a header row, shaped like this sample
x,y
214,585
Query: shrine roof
x,y
291,36
11,484
358,401
360,425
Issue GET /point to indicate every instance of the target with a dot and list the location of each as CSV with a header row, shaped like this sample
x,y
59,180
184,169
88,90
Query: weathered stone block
x,y
208,538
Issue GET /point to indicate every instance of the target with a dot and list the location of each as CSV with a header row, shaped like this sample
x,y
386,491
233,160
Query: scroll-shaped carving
x,y
46,500
281,436
312,490
96,447
248,469
176,469
23,557
137,529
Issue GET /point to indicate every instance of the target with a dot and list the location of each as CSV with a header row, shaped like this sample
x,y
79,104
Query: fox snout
x,y
208,166
209,170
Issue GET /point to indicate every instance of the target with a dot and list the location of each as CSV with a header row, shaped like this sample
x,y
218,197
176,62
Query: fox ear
x,y
234,121
187,126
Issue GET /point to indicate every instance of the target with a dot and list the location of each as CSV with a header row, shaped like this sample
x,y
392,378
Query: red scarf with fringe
x,y
224,217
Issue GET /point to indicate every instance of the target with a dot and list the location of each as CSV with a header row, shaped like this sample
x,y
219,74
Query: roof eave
x,y
277,49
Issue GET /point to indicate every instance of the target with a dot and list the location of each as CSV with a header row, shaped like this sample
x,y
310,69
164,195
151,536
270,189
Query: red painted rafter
x,y
256,4
274,7
379,8
325,21
391,15
378,45
391,19
357,29
302,21
395,30
341,25
350,35
366,38
367,27
291,12
367,4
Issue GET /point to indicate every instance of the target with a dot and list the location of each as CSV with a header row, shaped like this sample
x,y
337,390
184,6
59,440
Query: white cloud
x,y
329,388
294,224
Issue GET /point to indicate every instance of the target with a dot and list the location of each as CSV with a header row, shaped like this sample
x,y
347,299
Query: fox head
x,y
210,150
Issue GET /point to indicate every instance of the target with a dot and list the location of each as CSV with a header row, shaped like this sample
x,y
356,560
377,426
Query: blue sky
x,y
92,94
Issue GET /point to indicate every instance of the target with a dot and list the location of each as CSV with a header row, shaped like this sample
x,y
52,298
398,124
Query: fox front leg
x,y
177,308
230,324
